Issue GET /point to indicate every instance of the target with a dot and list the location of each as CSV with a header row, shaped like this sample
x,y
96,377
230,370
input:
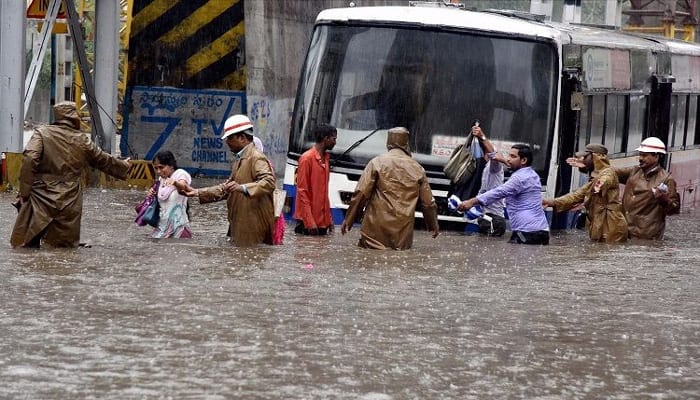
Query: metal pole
x,y
38,57
89,88
12,42
107,66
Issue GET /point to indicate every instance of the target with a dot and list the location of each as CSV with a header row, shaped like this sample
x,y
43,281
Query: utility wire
x,y
114,123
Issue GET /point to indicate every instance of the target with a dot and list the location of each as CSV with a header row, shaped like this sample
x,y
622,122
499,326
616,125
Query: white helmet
x,y
652,145
236,123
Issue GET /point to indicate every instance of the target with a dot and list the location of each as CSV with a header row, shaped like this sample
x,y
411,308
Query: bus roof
x,y
439,17
677,46
451,17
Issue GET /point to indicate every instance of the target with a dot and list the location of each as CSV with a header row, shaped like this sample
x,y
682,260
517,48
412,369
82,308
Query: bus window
x,y
693,110
637,108
678,113
615,123
584,130
367,79
597,119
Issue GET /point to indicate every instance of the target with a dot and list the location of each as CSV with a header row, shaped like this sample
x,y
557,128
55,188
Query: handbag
x,y
152,214
141,210
461,166
143,207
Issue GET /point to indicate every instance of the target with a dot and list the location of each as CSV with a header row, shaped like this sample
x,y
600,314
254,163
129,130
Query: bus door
x,y
659,115
572,99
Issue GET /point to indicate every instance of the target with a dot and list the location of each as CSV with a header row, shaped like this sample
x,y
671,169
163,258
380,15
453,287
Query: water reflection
x,y
458,317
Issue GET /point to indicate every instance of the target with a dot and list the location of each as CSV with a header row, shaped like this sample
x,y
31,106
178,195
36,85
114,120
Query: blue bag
x,y
141,210
152,214
145,210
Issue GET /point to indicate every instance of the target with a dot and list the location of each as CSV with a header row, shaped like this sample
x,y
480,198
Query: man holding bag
x,y
464,164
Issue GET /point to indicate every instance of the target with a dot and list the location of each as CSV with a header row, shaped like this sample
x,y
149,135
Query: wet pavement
x,y
458,317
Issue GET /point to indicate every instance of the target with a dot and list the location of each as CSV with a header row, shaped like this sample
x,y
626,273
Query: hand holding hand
x,y
191,192
547,203
232,186
467,204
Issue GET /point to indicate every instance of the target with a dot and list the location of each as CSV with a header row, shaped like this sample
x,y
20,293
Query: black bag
x,y
461,166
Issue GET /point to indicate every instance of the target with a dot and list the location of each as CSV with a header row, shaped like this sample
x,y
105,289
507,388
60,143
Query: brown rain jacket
x,y
389,190
606,218
250,216
646,214
51,181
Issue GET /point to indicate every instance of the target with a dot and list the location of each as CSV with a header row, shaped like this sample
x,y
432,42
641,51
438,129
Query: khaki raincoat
x,y
646,214
606,218
250,216
51,181
389,190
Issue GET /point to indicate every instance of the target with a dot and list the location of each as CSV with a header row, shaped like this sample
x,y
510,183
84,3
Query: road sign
x,y
38,8
58,28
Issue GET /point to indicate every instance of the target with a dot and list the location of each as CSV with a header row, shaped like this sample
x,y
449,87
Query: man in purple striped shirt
x,y
522,193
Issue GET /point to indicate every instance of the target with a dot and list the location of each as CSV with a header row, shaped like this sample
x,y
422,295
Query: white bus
x,y
435,70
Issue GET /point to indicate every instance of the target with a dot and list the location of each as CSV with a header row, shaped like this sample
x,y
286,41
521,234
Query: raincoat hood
x,y
397,138
65,113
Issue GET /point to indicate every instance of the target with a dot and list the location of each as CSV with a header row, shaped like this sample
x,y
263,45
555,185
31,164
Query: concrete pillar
x,y
60,59
12,65
106,67
613,14
572,11
542,7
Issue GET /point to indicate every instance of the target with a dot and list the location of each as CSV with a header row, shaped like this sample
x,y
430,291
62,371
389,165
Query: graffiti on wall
x,y
272,119
187,122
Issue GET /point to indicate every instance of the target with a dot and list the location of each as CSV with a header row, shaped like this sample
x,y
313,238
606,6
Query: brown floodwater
x,y
458,317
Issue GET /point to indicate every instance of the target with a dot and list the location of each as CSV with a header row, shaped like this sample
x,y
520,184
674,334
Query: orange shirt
x,y
312,205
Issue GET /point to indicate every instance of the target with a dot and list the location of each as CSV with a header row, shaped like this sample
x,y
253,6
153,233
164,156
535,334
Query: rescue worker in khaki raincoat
x,y
650,192
248,191
601,196
51,188
389,190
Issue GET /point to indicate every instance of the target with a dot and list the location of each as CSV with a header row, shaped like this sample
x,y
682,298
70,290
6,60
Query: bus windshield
x,y
365,80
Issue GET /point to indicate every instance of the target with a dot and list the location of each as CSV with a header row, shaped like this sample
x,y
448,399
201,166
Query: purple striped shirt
x,y
523,195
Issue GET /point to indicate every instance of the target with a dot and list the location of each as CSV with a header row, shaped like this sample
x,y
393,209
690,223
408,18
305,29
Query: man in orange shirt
x,y
312,208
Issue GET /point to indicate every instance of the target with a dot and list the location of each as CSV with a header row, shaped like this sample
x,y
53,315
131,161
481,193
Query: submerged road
x,y
458,317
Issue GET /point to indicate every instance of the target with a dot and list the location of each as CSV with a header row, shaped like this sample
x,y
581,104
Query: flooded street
x,y
458,317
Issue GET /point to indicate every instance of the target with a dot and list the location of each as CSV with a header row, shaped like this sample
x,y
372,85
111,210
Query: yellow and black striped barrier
x,y
190,44
141,175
